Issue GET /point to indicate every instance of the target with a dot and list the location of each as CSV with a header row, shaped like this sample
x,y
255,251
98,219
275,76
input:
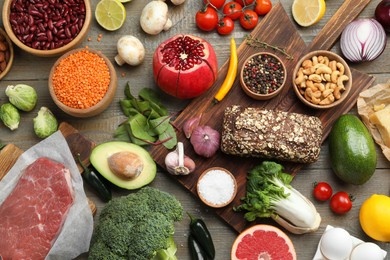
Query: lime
x,y
308,12
110,14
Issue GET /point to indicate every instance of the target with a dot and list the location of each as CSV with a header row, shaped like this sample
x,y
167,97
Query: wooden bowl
x,y
258,95
101,105
11,54
301,91
210,203
53,52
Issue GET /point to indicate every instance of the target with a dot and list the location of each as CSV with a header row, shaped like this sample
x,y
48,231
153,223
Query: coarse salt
x,y
216,187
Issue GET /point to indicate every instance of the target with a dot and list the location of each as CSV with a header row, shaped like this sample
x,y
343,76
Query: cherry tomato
x,y
262,7
206,18
225,26
247,2
233,10
322,191
249,19
217,3
341,202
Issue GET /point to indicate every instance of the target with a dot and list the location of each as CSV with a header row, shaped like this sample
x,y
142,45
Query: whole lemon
x,y
374,217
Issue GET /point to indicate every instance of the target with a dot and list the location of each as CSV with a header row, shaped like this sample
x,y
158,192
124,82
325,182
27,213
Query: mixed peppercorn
x,y
263,74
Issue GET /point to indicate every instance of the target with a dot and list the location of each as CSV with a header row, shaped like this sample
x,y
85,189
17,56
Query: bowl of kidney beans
x,y
47,27
263,76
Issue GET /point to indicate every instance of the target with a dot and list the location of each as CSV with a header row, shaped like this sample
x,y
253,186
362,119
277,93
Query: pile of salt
x,y
216,187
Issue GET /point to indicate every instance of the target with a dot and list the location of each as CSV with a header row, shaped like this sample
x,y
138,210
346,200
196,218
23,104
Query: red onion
x,y
382,14
363,40
190,125
205,141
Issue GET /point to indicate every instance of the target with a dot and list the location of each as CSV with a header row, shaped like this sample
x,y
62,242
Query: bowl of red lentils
x,y
263,76
82,82
47,28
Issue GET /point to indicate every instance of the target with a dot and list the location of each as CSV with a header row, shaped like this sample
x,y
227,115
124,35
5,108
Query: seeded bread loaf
x,y
255,132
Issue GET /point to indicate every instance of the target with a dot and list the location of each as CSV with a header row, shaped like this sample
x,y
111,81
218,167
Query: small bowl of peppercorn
x,y
6,53
47,28
263,76
84,90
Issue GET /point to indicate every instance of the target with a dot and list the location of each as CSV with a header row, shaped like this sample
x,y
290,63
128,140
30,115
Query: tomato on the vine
x,y
341,202
249,19
206,18
217,3
262,7
233,10
225,26
244,2
322,191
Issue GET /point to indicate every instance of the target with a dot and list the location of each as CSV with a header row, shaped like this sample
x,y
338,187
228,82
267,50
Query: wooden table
x,y
35,71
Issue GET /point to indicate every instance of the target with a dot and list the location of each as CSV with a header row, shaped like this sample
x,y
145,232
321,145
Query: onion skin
x,y
205,141
382,14
363,40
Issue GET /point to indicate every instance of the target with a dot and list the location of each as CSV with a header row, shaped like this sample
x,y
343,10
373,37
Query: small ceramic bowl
x,y
8,58
98,107
216,187
263,76
322,86
67,30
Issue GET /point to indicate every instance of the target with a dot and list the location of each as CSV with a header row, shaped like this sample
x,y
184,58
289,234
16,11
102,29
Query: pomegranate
x,y
185,66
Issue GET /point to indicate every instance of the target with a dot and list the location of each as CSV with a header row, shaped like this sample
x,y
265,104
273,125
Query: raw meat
x,y
32,216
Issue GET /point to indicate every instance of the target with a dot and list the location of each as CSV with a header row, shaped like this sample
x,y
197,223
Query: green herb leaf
x,y
151,96
139,128
159,125
128,92
122,133
168,138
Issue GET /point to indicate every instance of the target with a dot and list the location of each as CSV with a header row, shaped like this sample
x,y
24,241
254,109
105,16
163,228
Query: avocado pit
x,y
125,164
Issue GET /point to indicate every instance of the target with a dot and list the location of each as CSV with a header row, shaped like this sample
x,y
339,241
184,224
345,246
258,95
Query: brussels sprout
x,y
45,123
10,116
22,96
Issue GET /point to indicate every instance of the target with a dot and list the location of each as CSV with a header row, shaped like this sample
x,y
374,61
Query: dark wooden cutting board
x,y
77,144
276,29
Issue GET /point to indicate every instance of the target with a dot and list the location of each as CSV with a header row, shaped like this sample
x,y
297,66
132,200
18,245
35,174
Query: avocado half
x,y
99,159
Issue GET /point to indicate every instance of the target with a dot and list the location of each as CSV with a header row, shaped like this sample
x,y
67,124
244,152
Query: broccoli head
x,y
139,226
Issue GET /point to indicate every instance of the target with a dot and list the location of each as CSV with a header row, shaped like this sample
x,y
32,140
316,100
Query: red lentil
x,y
81,80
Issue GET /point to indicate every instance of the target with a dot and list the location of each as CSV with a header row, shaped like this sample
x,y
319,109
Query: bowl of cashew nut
x,y
322,79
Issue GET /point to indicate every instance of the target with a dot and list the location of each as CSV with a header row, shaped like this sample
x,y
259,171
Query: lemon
x,y
374,217
308,12
110,14
124,1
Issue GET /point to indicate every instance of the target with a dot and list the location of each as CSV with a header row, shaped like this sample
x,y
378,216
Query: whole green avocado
x,y
352,150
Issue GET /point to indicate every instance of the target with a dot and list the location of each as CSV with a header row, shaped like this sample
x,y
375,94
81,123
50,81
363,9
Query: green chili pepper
x,y
202,235
93,179
196,250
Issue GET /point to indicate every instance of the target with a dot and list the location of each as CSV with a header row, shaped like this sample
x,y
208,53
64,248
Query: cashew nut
x,y
341,68
337,93
307,64
334,76
315,60
328,100
300,77
319,86
332,65
340,81
327,77
327,92
315,78
324,70
309,71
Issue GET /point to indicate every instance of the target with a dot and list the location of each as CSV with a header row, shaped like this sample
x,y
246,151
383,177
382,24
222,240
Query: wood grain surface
x,y
285,37
34,71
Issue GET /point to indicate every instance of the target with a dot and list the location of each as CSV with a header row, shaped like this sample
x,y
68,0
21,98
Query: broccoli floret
x,y
139,226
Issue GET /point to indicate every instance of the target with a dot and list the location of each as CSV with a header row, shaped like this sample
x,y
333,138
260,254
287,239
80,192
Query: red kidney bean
x,y
47,24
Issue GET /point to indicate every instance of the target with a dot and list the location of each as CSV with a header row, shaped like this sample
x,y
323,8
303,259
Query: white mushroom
x,y
154,17
177,2
130,51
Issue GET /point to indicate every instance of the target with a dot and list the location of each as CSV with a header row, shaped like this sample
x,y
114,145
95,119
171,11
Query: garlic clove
x,y
177,163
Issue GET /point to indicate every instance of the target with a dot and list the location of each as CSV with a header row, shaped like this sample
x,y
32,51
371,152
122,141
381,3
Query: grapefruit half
x,y
263,242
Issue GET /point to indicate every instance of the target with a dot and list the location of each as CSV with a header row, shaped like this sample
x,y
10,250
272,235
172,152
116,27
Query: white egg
x,y
336,244
366,251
